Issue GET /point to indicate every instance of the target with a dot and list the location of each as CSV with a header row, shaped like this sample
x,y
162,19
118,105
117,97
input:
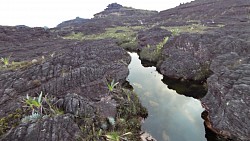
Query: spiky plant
x,y
112,85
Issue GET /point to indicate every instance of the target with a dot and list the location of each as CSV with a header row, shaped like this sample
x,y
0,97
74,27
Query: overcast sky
x,y
52,12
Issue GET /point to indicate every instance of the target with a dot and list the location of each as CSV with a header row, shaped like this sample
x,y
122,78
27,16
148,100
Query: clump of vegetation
x,y
10,121
115,136
39,106
75,36
126,125
126,36
112,85
128,115
7,65
194,28
5,61
152,53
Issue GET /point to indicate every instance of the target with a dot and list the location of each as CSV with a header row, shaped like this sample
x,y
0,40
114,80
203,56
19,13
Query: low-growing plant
x,y
53,109
6,60
175,31
33,117
35,103
112,85
114,136
161,44
40,106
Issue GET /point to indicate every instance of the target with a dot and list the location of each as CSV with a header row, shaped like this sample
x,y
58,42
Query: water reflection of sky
x,y
172,117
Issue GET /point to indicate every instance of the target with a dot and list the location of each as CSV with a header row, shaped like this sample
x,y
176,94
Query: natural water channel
x,y
172,117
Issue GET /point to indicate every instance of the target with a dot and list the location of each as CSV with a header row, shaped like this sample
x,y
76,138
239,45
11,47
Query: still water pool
x,y
172,117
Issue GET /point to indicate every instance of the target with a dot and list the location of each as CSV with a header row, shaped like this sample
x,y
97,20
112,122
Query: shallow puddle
x,y
172,117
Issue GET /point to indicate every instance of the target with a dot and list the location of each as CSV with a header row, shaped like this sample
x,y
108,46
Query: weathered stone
x,y
228,96
58,128
77,105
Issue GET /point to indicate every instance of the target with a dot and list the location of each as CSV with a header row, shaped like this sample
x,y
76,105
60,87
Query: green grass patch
x,y
15,65
126,36
119,32
10,121
194,28
152,53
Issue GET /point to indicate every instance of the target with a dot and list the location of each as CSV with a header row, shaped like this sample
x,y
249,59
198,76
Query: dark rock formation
x,y
74,73
126,14
71,23
152,36
219,53
113,6
207,11
58,128
228,96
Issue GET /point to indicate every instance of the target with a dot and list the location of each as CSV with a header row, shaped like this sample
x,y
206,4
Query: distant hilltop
x,y
74,22
115,9
114,6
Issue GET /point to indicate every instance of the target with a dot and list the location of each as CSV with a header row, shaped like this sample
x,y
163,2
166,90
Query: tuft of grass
x,y
10,121
126,36
35,104
112,85
114,136
152,53
5,61
16,65
39,105
119,32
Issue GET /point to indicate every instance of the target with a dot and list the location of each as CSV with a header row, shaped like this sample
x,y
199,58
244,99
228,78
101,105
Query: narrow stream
x,y
172,117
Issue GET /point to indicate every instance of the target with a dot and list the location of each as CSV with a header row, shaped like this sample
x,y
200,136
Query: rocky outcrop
x,y
223,53
218,54
116,11
209,12
113,6
60,128
73,74
82,68
227,100
152,37
71,23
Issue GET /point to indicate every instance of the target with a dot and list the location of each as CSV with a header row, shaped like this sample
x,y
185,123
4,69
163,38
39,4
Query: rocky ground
x,y
73,76
201,48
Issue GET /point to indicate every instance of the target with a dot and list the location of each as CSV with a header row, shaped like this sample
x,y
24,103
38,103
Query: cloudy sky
x,y
52,12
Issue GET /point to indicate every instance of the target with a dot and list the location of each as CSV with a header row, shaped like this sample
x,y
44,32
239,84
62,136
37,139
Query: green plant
x,y
161,44
112,85
35,103
34,116
175,31
114,136
6,60
53,109
10,121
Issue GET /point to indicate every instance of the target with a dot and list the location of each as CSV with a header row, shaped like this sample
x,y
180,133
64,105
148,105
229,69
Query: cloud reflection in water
x,y
172,117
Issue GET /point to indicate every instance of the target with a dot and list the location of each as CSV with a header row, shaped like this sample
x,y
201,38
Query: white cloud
x,y
52,12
